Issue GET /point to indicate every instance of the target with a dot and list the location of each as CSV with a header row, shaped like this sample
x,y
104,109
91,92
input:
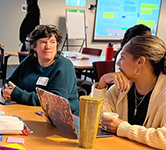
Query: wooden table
x,y
84,63
12,53
41,129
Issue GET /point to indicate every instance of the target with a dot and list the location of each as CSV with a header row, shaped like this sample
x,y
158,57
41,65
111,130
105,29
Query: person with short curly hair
x,y
45,68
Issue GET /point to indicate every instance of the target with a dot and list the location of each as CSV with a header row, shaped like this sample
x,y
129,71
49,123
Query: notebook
x,y
58,113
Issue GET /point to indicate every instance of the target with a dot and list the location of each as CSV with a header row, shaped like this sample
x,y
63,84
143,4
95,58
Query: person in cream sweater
x,y
138,94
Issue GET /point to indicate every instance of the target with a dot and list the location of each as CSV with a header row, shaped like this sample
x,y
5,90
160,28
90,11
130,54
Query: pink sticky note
x,y
15,140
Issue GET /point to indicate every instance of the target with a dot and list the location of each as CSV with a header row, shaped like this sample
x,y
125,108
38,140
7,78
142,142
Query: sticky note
x,y
1,137
57,138
17,146
7,148
15,140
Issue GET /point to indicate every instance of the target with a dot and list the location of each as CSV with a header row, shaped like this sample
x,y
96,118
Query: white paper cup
x,y
111,114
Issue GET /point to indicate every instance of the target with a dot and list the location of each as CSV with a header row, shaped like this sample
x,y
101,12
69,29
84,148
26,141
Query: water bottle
x,y
109,52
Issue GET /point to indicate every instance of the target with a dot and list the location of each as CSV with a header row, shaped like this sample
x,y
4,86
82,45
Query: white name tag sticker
x,y
42,81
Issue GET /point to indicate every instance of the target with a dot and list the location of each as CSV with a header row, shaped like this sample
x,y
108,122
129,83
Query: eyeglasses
x,y
43,27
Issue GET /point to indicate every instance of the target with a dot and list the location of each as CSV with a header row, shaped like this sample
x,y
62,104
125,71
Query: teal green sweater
x,y
62,81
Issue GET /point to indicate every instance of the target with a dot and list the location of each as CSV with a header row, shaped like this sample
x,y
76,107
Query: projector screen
x,y
114,17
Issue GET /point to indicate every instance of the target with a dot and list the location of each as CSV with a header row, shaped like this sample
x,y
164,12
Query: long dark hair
x,y
139,29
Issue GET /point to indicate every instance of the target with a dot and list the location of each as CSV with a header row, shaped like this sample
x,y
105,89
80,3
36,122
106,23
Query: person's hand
x,y
119,78
7,91
110,124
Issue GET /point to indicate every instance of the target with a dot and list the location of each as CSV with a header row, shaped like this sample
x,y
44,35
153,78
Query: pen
x,y
73,57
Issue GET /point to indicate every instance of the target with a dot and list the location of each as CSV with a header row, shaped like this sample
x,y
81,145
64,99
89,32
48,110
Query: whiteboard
x,y
75,24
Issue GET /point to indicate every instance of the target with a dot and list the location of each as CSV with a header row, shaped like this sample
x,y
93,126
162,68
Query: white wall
x,y
162,21
52,12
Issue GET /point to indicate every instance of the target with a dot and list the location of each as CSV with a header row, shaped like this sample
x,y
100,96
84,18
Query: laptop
x,y
58,113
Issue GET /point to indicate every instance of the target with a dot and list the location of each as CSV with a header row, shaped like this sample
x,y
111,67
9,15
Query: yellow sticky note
x,y
15,146
57,138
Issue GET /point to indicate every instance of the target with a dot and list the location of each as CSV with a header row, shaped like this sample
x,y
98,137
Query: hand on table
x,y
110,124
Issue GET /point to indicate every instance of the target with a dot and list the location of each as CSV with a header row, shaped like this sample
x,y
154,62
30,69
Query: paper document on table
x,y
75,55
14,146
15,140
57,138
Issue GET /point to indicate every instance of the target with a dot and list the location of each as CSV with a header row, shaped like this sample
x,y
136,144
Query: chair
x,y
22,55
114,53
102,67
84,87
90,51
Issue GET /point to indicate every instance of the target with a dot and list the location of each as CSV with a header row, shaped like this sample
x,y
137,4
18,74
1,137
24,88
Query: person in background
x,y
138,95
31,20
139,29
45,68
